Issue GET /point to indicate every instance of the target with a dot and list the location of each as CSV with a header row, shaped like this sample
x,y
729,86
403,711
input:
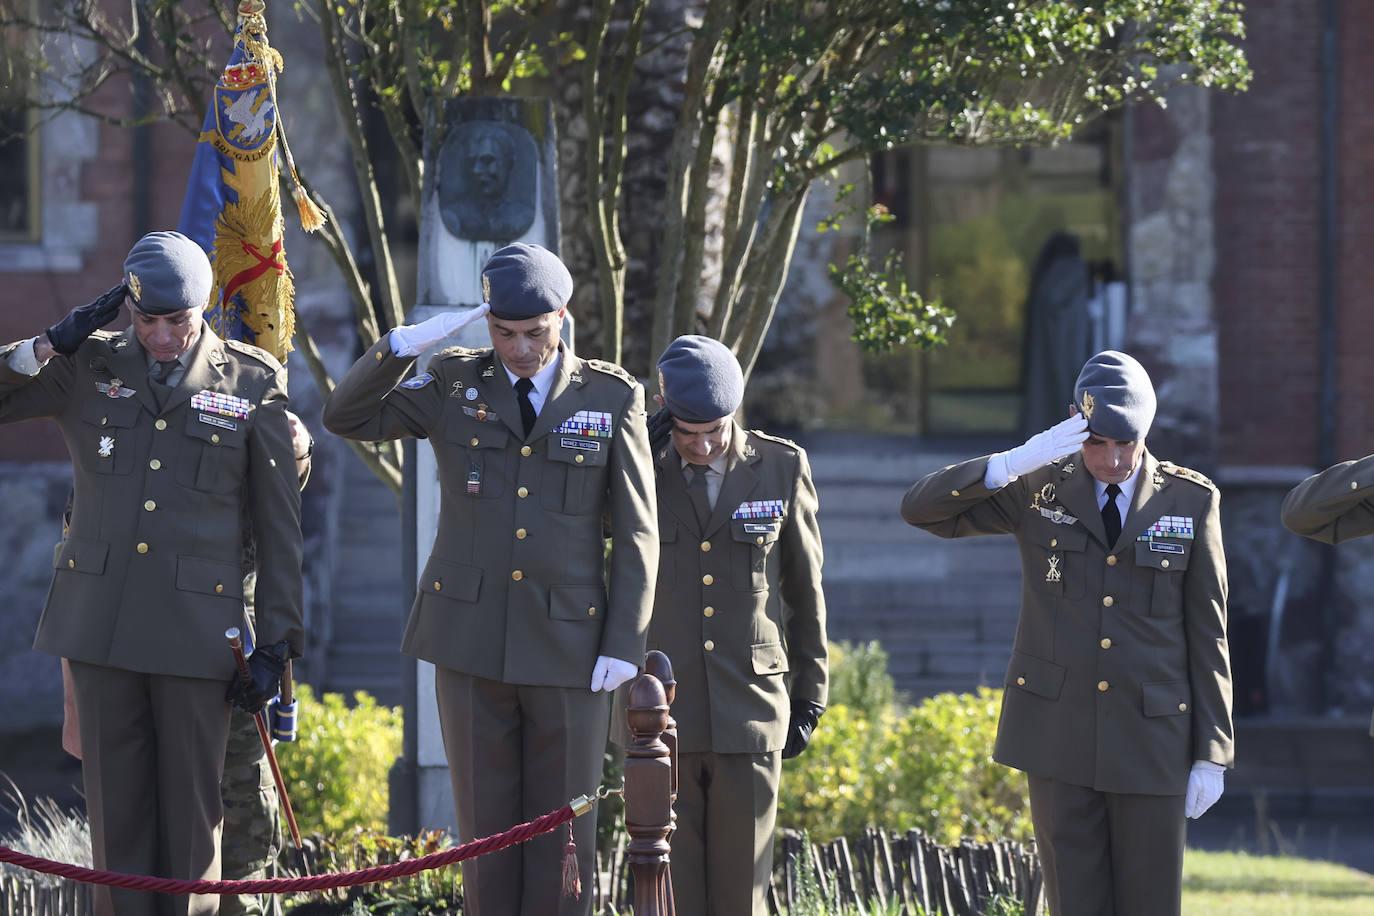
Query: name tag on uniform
x,y
587,445
218,421
760,529
1165,547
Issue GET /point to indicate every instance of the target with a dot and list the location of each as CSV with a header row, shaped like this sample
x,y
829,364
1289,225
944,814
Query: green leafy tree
x,y
775,95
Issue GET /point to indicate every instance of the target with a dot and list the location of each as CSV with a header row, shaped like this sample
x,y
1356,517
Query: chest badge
x,y
1041,503
1052,574
106,447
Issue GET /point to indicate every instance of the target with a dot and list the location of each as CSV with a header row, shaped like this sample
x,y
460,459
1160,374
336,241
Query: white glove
x,y
413,339
1059,440
610,673
1205,784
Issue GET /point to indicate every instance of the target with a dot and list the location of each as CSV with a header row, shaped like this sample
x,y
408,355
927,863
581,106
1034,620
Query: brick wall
x,y
1355,373
87,175
1266,149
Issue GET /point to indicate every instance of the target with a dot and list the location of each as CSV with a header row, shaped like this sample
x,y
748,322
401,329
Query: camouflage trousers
x,y
252,834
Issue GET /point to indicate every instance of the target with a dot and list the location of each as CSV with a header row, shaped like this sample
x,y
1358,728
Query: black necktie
x,y
1111,515
159,376
700,496
522,391
164,370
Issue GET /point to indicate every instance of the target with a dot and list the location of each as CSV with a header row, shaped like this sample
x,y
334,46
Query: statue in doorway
x,y
487,181
1058,336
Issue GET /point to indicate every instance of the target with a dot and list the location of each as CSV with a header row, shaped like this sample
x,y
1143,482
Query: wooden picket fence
x,y
21,895
878,868
882,867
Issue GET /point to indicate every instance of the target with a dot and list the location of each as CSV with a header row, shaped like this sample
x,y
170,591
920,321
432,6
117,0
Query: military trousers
x,y
251,837
1106,854
152,756
515,753
722,850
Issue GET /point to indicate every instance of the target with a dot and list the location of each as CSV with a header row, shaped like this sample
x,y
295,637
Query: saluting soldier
x,y
740,612
172,433
1118,694
517,607
1333,506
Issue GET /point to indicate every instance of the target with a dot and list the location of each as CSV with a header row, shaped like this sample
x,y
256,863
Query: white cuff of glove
x,y
610,673
1206,782
23,360
414,339
997,475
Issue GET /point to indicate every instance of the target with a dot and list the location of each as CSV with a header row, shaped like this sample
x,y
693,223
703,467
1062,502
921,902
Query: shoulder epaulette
x,y
600,365
258,353
104,335
1179,471
777,439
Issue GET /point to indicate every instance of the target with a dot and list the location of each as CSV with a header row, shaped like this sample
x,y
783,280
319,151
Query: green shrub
x,y
945,781
336,770
877,764
859,679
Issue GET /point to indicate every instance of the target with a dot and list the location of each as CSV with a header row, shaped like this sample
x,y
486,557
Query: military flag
x,y
232,206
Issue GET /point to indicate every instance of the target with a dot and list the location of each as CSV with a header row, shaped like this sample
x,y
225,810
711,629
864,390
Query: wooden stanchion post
x,y
649,783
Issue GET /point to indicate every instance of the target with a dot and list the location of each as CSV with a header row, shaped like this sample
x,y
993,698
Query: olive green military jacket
x,y
739,608
1120,676
517,588
1335,505
150,572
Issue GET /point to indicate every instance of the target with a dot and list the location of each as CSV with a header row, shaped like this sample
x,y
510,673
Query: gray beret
x,y
167,272
1115,395
524,281
700,379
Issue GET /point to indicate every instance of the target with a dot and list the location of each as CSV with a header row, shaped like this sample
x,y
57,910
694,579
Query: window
x,y
18,174
978,227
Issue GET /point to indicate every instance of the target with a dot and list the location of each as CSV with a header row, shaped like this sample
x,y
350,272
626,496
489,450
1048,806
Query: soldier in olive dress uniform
x,y
518,608
740,612
1334,506
1118,694
172,432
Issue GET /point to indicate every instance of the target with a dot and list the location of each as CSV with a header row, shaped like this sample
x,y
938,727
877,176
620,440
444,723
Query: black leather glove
x,y
660,425
72,331
805,715
263,681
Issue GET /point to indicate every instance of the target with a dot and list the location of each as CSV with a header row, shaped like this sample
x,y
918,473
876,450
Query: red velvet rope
x,y
518,834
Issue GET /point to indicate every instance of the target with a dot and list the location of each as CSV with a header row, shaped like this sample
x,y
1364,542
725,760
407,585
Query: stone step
x,y
971,594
